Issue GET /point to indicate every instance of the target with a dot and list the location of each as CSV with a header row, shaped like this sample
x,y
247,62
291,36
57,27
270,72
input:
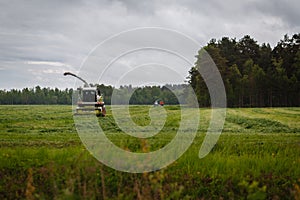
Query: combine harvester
x,y
89,98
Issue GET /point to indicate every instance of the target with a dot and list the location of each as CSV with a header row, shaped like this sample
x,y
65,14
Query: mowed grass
x,y
256,157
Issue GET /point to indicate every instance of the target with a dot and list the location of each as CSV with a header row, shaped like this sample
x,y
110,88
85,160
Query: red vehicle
x,y
159,103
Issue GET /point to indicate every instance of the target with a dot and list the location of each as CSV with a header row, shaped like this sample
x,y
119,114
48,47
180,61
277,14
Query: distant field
x,y
256,157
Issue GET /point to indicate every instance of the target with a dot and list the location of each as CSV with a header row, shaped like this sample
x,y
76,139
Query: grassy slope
x,y
257,156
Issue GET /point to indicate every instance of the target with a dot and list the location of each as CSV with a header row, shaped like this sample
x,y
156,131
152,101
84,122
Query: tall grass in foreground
x,y
256,157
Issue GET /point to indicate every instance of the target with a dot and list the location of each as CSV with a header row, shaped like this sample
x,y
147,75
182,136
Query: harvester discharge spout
x,y
71,74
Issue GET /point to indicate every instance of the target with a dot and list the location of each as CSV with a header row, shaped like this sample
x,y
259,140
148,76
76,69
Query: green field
x,y
256,157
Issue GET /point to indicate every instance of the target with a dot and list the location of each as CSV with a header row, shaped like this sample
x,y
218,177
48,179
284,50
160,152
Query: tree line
x,y
122,95
254,75
36,95
170,94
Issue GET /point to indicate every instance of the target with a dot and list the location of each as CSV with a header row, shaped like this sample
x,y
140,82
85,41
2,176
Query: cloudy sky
x,y
39,40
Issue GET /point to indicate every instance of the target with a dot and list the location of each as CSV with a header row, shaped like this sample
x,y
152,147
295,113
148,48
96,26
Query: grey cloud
x,y
287,10
66,31
140,7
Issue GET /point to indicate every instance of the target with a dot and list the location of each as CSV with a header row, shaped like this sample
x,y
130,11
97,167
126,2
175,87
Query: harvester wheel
x,y
103,111
98,113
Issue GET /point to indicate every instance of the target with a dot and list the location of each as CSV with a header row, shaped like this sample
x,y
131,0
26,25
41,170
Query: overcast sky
x,y
39,40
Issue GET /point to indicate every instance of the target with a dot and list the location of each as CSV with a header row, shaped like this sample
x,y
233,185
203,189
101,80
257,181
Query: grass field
x,y
256,157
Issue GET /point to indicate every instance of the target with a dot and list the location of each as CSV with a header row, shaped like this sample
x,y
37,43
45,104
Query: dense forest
x,y
254,76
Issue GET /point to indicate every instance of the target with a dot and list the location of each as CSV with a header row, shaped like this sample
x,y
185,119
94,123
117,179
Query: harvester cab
x,y
89,98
